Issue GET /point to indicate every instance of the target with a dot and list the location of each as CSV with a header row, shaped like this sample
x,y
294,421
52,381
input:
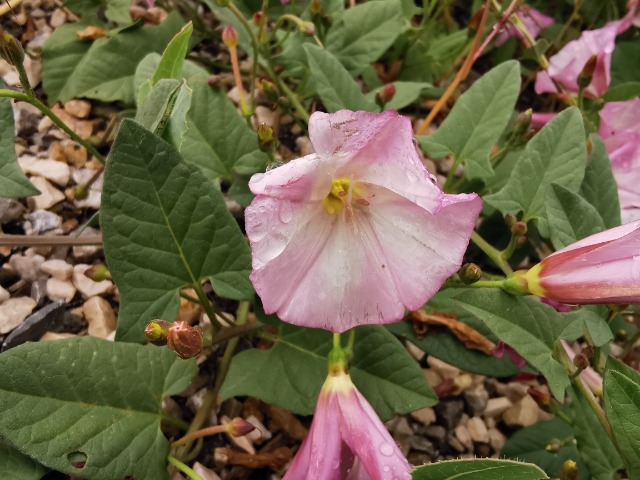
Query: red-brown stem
x,y
460,76
200,433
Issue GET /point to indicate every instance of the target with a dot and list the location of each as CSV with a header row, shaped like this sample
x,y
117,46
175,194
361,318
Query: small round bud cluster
x,y
580,361
568,471
470,273
186,341
385,95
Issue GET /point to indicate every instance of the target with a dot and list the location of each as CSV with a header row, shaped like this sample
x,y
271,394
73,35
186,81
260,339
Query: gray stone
x,y
27,267
43,221
422,445
450,412
14,311
10,210
477,398
35,325
438,434
39,290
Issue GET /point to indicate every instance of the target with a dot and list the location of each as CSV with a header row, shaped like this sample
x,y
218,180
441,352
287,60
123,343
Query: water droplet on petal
x,y
386,449
285,213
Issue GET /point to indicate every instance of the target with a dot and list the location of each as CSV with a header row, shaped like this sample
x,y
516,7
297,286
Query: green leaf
x,y
477,120
335,86
622,404
599,454
172,59
17,466
93,398
478,469
447,347
622,92
599,186
593,318
13,182
526,324
170,64
571,217
624,65
99,70
557,154
164,110
165,226
291,373
360,35
90,10
217,137
529,444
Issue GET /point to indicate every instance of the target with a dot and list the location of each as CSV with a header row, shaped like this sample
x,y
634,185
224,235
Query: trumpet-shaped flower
x,y
602,268
620,129
347,440
358,231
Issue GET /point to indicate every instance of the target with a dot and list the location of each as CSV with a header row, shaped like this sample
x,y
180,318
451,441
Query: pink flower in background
x,y
347,440
358,231
151,3
566,65
589,375
539,120
620,129
533,19
602,268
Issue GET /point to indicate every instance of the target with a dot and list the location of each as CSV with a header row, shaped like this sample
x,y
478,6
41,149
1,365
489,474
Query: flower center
x,y
342,195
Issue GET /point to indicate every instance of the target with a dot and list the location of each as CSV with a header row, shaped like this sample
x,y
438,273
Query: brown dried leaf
x,y
275,459
469,336
91,33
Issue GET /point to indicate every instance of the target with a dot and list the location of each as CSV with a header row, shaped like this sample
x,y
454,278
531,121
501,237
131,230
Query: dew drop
x,y
271,166
412,177
285,213
386,449
386,468
335,464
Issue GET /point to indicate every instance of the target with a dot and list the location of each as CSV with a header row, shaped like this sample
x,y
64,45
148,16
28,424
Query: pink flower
x,y
602,268
620,129
514,356
347,440
534,20
539,120
151,3
566,65
358,231
592,379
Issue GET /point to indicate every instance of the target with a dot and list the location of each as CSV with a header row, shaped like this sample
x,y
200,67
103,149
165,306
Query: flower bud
x,y
554,446
98,272
519,229
213,80
516,284
510,219
316,7
581,361
156,331
588,352
185,340
80,192
308,28
10,49
568,471
257,18
239,427
230,36
266,140
470,273
586,75
523,121
385,95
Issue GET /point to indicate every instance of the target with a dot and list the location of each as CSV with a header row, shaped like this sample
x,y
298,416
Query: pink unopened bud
x,y
185,340
308,28
581,361
257,18
156,331
542,399
519,229
239,427
385,95
230,36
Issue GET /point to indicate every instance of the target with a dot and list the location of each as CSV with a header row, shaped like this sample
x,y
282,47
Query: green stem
x,y
580,386
211,311
188,471
211,396
492,252
487,284
336,340
236,331
511,247
54,118
175,421
254,46
289,94
24,80
451,174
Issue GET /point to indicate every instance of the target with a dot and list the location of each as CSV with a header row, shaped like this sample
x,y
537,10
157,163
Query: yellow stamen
x,y
343,192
